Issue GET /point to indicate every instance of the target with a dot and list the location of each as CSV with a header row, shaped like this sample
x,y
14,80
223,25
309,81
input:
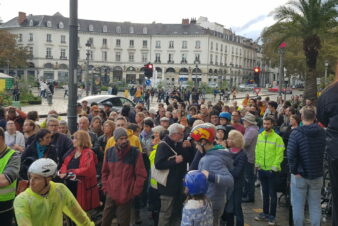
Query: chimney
x,y
193,21
185,21
22,18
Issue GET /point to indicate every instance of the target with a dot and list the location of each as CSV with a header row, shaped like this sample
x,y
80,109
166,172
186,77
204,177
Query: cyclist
x,y
44,201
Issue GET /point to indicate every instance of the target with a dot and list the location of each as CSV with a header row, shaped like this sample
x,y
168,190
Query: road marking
x,y
258,210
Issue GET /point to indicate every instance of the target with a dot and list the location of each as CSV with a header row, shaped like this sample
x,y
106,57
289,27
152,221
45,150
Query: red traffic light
x,y
257,69
150,66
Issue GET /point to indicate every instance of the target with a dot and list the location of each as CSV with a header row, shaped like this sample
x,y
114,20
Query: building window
x,y
104,56
216,60
49,53
31,23
184,59
118,42
131,57
157,58
212,45
145,30
61,26
49,23
104,43
226,48
30,51
171,44
216,46
197,44
30,37
144,57
158,44
145,43
184,44
131,44
49,38
221,47
197,58
63,54
91,27
211,59
117,56
91,55
63,39
170,58
105,28
118,29
19,37
131,30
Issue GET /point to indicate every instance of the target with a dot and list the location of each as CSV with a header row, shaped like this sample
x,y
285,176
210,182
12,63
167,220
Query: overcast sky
x,y
246,17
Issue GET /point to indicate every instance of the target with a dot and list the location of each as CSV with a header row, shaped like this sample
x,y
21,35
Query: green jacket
x,y
269,151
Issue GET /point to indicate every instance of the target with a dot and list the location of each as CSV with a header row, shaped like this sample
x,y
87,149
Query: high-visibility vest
x,y
8,192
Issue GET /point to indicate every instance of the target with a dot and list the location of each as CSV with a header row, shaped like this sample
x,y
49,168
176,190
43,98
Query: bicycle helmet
x,y
196,183
44,167
205,131
220,127
225,115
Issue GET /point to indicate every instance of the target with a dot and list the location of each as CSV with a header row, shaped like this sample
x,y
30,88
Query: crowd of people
x,y
189,161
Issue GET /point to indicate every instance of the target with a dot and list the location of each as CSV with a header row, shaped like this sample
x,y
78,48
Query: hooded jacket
x,y
327,114
133,140
218,161
305,151
250,137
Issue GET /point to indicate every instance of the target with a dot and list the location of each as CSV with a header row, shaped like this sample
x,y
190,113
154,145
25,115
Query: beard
x,y
123,145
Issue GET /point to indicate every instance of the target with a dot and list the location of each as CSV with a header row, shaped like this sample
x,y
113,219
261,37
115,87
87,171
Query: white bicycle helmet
x,y
44,167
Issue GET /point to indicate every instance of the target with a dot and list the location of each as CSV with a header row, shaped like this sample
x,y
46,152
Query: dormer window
x,y
131,30
31,23
61,26
78,27
145,30
118,29
49,23
105,29
91,27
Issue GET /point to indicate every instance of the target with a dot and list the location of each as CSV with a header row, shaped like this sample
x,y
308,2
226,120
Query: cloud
x,y
250,23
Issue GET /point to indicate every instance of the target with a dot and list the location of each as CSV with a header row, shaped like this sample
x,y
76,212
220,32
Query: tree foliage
x,y
10,53
309,27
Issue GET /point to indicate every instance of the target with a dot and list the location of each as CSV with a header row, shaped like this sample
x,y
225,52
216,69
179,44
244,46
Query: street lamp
x,y
196,83
88,48
326,66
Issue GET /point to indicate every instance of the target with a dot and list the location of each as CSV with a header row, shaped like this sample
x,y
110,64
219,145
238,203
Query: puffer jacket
x,y
327,114
218,161
305,151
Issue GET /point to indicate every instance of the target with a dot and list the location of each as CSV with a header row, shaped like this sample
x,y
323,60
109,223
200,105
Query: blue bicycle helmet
x,y
196,183
225,115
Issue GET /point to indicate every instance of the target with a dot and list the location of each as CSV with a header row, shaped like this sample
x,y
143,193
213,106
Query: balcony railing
x,y
184,62
171,62
63,58
49,57
157,61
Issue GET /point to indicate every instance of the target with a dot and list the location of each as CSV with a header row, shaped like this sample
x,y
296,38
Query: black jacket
x,y
31,154
305,151
327,114
62,144
176,171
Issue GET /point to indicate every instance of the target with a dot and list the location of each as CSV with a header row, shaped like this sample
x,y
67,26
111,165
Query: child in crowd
x,y
197,209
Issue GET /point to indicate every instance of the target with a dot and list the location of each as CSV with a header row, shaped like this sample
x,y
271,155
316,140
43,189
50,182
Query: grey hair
x,y
175,128
52,119
158,129
63,123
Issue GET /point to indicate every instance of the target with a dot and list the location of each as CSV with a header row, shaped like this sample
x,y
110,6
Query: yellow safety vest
x,y
8,192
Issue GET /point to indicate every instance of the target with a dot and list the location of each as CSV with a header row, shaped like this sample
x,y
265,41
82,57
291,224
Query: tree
x,y
10,53
311,22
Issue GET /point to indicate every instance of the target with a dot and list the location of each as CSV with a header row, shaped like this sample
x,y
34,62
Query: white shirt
x,y
16,138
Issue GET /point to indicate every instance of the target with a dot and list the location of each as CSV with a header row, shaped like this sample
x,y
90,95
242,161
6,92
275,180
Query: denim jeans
x,y
268,184
304,189
249,181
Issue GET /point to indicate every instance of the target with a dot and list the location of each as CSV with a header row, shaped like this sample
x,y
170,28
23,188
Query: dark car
x,y
116,101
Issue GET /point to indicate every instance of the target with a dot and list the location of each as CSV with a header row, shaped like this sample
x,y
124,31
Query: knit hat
x,y
120,132
250,118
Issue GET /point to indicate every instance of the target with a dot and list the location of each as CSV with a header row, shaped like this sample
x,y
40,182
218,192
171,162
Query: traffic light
x,y
257,70
148,70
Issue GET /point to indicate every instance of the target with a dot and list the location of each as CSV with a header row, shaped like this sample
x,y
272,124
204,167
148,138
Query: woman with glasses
x,y
81,164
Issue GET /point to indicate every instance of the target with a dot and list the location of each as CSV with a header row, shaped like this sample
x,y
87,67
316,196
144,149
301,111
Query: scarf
x,y
40,149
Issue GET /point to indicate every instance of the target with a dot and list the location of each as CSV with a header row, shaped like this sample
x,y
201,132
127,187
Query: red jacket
x,y
87,190
123,174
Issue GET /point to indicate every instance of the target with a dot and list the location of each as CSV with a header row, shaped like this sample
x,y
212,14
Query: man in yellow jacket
x,y
45,202
269,156
133,140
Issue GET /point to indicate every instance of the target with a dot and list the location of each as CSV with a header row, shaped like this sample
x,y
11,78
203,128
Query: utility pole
x,y
326,66
88,46
281,67
73,54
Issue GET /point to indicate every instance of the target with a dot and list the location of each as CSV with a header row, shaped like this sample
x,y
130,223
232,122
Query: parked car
x,y
276,90
116,101
247,87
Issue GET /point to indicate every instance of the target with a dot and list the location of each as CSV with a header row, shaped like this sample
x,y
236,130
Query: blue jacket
x,y
197,213
305,151
217,162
